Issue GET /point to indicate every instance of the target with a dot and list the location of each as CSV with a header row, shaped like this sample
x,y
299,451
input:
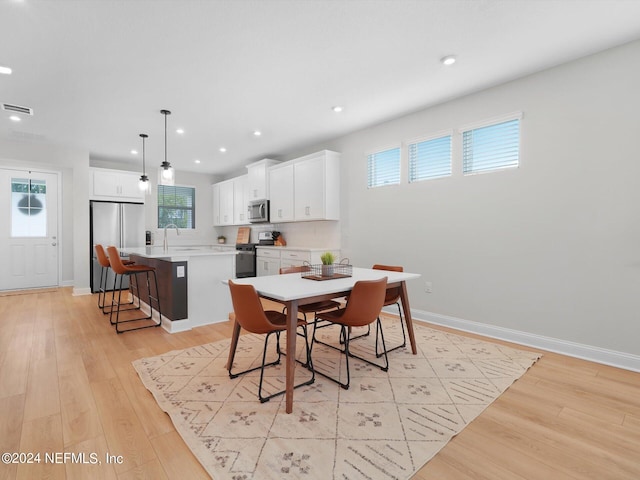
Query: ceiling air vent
x,y
17,108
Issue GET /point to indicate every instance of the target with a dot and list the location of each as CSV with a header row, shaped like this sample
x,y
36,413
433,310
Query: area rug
x,y
387,425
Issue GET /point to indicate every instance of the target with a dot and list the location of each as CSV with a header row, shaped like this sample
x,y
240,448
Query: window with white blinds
x,y
430,158
383,168
491,147
176,205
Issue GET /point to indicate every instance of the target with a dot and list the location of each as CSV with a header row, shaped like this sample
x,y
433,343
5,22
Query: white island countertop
x,y
180,253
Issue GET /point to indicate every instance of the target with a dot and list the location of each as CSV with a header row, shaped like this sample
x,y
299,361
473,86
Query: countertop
x,y
180,252
300,249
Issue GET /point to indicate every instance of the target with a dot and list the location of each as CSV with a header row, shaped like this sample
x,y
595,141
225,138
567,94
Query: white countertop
x,y
180,253
301,249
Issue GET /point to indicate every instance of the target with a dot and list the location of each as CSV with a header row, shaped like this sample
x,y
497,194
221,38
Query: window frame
x,y
494,121
192,208
427,138
380,150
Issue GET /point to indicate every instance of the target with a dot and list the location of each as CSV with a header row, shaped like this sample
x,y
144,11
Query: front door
x,y
29,242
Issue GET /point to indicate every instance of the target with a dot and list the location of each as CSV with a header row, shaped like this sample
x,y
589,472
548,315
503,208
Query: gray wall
x,y
550,248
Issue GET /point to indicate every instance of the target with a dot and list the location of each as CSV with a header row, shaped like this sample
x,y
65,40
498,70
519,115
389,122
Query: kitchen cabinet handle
x,y
307,210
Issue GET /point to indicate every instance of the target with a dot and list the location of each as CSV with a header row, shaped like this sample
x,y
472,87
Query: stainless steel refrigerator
x,y
117,224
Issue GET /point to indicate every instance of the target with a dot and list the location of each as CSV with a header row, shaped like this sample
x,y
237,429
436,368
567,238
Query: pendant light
x,y
166,174
144,184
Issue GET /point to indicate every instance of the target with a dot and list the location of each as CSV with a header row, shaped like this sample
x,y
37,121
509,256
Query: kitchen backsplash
x,y
299,234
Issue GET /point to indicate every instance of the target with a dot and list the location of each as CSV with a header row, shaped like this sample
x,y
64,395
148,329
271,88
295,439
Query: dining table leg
x,y
234,344
292,325
406,309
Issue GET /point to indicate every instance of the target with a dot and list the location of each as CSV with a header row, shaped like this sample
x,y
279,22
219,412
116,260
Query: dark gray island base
x,y
172,283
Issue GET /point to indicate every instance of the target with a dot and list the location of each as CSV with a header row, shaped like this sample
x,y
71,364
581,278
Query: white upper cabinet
x,y
230,202
281,193
223,203
240,189
307,188
115,185
257,184
317,187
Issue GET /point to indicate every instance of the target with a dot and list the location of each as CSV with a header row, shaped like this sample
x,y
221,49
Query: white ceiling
x,y
98,72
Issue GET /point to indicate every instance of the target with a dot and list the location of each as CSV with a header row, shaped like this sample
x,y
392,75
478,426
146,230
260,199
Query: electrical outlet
x,y
428,287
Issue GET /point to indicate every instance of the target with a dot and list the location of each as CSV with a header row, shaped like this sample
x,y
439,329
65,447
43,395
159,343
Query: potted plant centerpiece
x,y
222,239
327,264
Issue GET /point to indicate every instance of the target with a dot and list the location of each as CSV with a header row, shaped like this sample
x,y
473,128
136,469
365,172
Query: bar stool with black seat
x,y
251,316
392,297
363,308
133,270
104,271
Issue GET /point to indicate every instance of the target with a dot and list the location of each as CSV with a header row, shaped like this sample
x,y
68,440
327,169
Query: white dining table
x,y
293,290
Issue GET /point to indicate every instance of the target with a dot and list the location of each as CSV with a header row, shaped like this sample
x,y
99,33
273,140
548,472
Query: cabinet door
x,y
281,192
267,266
216,204
240,188
309,188
226,203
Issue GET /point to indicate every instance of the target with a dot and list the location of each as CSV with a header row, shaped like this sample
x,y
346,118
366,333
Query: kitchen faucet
x,y
166,244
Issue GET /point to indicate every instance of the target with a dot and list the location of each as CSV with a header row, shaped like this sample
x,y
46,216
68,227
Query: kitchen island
x,y
190,283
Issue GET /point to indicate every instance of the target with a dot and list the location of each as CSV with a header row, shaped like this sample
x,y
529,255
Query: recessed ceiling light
x,y
14,118
337,109
196,161
222,149
448,60
257,133
5,70
180,131
134,152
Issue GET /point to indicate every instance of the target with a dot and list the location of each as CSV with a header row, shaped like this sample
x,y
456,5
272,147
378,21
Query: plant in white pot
x,y
327,259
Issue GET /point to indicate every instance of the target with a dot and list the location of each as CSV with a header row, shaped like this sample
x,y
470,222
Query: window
x,y
430,158
383,168
28,208
176,205
491,147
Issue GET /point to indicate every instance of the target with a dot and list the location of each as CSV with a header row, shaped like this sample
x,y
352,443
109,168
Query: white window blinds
x,y
176,205
491,147
430,158
383,168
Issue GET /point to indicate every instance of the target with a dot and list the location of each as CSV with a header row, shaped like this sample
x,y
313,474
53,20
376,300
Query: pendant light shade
x,y
166,174
144,184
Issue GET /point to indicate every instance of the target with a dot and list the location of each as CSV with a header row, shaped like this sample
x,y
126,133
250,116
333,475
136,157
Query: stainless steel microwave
x,y
258,211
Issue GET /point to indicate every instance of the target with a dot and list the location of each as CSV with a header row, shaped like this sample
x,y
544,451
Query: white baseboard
x,y
564,347
81,291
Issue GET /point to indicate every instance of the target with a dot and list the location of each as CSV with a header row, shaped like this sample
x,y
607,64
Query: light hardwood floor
x,y
67,385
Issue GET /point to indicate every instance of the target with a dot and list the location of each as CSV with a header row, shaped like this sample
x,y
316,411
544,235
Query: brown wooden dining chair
x,y
121,270
250,315
392,297
363,308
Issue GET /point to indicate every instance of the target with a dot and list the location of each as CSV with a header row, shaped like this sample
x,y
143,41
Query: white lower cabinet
x,y
267,262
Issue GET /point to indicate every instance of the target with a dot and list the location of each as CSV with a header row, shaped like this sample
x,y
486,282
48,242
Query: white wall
x,y
551,248
73,164
204,233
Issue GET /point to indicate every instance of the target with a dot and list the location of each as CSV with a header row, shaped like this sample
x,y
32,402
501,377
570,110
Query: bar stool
x,y
121,270
104,271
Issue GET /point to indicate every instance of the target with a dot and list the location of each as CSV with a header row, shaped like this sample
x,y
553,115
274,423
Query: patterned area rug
x,y
386,426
